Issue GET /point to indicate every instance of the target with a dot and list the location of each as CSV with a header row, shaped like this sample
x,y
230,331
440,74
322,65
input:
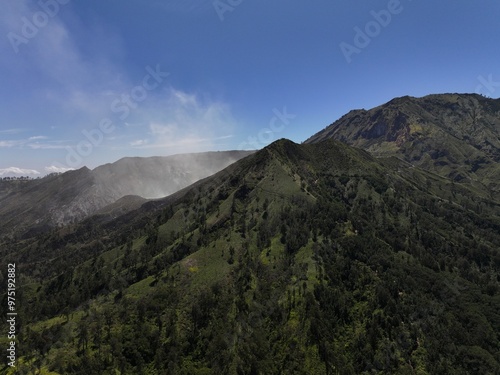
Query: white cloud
x,y
9,144
19,171
139,142
55,54
189,144
46,146
168,130
54,169
187,120
12,131
33,143
184,99
85,86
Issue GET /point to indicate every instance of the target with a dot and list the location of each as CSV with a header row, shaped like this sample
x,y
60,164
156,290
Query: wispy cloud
x,y
54,169
139,142
83,86
12,131
18,171
189,144
72,81
10,144
34,143
45,146
187,120
163,131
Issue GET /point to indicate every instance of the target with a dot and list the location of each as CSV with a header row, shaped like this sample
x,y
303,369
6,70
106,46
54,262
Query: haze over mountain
x,y
36,205
454,135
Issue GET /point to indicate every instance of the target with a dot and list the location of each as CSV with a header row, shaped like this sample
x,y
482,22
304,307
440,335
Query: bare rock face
x,y
454,135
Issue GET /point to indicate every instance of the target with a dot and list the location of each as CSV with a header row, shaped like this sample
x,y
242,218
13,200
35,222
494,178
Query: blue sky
x,y
86,82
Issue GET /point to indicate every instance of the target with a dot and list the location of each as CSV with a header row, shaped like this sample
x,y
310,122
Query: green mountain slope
x,y
299,259
453,135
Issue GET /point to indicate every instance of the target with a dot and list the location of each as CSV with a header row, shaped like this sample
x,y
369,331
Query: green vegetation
x,y
456,136
300,259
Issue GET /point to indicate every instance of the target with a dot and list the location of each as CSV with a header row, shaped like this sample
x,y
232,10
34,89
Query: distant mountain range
x,y
31,206
314,258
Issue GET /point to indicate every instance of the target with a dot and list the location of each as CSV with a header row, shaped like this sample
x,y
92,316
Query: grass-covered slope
x,y
299,259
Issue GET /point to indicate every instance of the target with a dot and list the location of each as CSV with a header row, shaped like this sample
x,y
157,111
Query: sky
x,y
87,82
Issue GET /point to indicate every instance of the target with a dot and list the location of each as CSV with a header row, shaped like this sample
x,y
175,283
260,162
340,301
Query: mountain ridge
x,y
454,135
56,200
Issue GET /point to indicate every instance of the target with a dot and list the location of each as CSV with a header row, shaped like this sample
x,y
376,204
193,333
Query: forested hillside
x,y
299,259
